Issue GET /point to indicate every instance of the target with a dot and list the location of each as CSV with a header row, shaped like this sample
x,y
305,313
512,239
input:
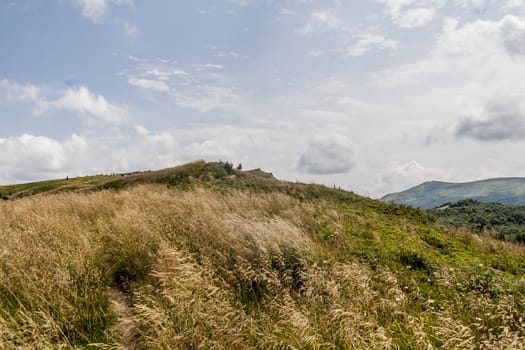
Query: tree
x,y
228,167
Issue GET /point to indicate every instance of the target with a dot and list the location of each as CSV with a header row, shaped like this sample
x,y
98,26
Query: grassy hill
x,y
435,193
206,257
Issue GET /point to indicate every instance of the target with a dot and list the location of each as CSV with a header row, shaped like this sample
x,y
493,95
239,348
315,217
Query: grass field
x,y
200,257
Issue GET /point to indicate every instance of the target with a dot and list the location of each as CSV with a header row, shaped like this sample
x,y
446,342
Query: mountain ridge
x,y
430,194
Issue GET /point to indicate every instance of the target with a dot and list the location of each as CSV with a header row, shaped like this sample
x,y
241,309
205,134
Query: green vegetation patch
x,y
506,222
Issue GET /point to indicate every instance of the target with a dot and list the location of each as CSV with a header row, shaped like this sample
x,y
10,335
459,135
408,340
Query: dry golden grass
x,y
153,268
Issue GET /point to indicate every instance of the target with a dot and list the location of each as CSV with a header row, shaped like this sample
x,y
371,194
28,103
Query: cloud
x,y
512,31
402,175
394,7
320,21
239,2
286,12
327,155
478,51
95,10
201,87
367,42
514,4
29,157
207,66
230,54
16,92
484,37
364,43
498,128
405,16
149,84
77,99
26,157
477,67
502,120
84,102
206,98
471,3
130,29
414,18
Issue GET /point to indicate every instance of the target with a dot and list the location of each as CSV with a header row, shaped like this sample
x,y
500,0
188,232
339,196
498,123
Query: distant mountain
x,y
435,193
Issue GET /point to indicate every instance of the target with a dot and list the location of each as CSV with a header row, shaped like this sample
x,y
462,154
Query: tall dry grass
x,y
153,268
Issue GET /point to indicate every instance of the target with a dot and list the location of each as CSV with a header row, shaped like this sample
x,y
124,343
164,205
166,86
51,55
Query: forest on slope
x,y
504,221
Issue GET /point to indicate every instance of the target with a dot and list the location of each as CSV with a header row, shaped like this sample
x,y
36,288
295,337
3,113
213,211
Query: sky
x,y
373,96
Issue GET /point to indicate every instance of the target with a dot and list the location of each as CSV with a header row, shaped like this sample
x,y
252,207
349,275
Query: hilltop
x,y
204,256
191,173
435,193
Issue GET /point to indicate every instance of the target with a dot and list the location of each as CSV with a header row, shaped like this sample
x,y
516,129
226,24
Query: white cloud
x,y
78,99
239,2
479,57
16,92
29,157
417,17
514,4
149,84
471,3
402,175
84,102
404,15
367,42
202,87
395,6
95,10
205,98
131,30
163,73
363,43
207,66
230,54
286,12
320,21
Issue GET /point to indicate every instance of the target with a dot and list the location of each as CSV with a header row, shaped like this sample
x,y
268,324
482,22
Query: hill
x,y
435,193
203,256
192,173
504,221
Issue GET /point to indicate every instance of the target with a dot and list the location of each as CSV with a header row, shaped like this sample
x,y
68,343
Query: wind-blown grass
x,y
150,267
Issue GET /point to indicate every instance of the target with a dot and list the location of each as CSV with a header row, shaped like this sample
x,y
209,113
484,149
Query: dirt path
x,y
122,307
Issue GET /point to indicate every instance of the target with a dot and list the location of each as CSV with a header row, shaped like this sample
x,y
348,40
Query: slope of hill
x,y
504,221
195,172
434,193
206,257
